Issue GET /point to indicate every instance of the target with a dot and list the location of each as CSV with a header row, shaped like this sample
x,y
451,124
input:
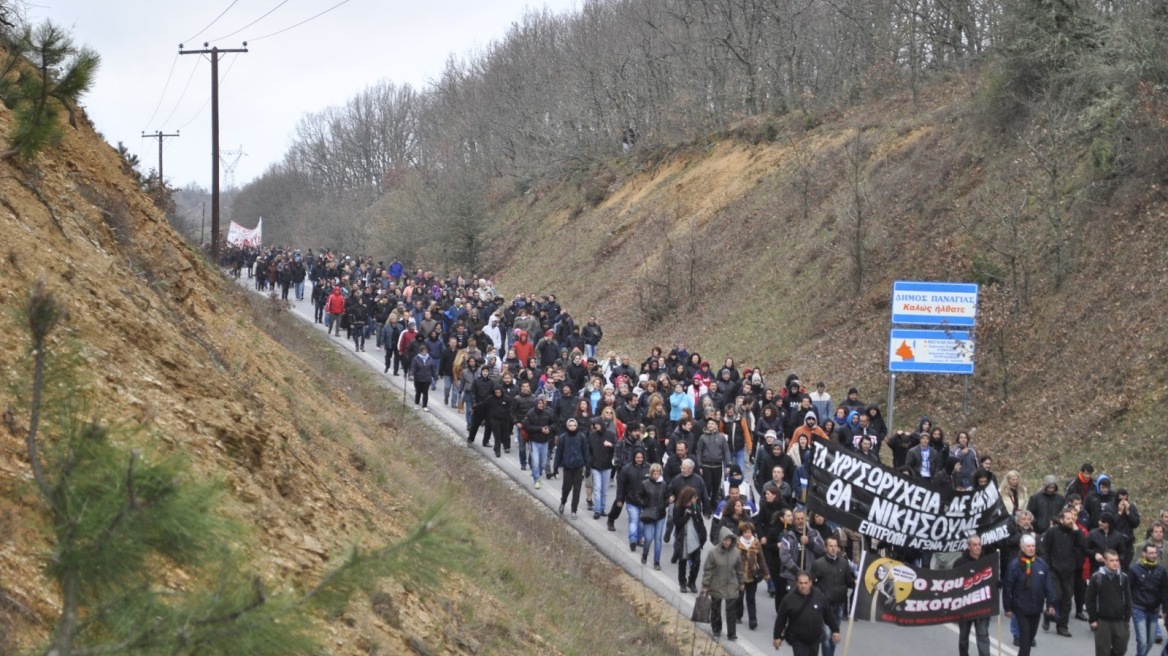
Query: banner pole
x,y
1001,645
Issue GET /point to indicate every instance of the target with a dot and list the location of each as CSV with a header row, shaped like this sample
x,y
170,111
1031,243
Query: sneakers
x,y
573,515
753,624
538,484
693,588
595,515
506,450
1066,633
425,409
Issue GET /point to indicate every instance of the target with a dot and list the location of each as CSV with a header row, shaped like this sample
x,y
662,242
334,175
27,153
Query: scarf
x,y
1026,563
744,543
1147,563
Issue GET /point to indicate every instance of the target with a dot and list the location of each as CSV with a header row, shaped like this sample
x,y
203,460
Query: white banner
x,y
241,236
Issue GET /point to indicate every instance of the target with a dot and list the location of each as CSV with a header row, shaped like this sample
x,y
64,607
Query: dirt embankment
x,y
170,346
746,244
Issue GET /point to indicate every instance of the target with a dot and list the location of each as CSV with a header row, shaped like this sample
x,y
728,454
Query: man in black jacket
x,y
1149,588
1063,548
834,577
480,393
980,626
1109,607
802,616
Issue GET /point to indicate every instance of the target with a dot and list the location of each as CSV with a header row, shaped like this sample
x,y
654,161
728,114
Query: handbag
x,y
702,609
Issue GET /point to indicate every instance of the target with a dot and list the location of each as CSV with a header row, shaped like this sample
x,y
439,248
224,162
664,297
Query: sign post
x,y
942,350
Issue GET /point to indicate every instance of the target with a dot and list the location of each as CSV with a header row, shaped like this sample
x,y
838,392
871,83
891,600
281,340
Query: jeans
x,y
447,388
538,459
1144,625
634,522
300,291
981,627
589,351
517,438
653,531
829,646
599,490
740,459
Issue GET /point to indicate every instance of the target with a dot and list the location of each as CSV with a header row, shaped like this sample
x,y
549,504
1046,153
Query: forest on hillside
x,y
561,93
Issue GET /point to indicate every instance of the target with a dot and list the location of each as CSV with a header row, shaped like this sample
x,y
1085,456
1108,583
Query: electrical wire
x,y
192,38
268,13
300,23
208,100
166,86
184,92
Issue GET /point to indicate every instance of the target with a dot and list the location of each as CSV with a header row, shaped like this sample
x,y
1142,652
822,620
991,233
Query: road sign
x,y
930,352
934,303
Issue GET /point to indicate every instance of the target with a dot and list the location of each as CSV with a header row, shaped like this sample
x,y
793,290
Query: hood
x,y
1049,480
494,320
853,418
872,407
921,423
523,335
1103,478
726,533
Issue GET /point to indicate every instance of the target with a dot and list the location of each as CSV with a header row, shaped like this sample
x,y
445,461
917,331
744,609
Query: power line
x,y
269,12
208,100
164,88
303,21
182,95
192,38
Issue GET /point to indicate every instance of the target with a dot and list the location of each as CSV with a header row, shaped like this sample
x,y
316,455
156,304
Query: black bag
x,y
702,609
650,514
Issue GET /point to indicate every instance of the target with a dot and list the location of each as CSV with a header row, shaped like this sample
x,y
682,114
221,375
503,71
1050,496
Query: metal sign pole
x,y
891,403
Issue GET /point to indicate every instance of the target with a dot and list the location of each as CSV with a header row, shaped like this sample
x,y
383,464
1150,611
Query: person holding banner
x,y
801,618
981,626
1028,586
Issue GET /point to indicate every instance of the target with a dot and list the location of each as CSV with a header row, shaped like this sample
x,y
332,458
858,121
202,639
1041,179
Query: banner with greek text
x,y
891,591
879,502
241,236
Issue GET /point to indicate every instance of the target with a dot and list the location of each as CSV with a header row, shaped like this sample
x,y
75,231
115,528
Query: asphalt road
x,y
865,638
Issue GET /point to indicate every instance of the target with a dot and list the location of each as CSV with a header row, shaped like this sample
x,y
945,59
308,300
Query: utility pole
x,y
160,136
215,53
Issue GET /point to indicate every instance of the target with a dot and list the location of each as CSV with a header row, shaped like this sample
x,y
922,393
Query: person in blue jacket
x,y
1028,586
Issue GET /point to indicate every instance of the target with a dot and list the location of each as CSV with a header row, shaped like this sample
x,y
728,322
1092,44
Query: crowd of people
x,y
714,457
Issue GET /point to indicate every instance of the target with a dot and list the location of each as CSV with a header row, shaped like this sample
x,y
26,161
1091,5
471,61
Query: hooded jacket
x,y
722,573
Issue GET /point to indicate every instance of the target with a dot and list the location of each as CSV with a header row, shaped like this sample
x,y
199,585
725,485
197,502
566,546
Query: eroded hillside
x,y
171,347
747,243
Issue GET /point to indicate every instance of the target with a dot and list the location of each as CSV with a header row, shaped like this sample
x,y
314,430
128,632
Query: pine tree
x,y
121,516
42,73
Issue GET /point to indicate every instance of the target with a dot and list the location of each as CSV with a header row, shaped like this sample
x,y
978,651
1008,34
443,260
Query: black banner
x,y
879,502
891,591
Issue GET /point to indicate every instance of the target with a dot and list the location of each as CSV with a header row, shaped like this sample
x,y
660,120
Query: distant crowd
x,y
704,453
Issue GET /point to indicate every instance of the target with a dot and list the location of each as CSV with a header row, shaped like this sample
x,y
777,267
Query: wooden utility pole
x,y
215,53
160,136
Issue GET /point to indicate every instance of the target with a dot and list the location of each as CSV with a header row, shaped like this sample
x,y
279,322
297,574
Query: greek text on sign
x,y
930,352
934,303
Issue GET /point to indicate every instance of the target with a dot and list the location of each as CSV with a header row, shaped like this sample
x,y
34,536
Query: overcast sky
x,y
263,93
